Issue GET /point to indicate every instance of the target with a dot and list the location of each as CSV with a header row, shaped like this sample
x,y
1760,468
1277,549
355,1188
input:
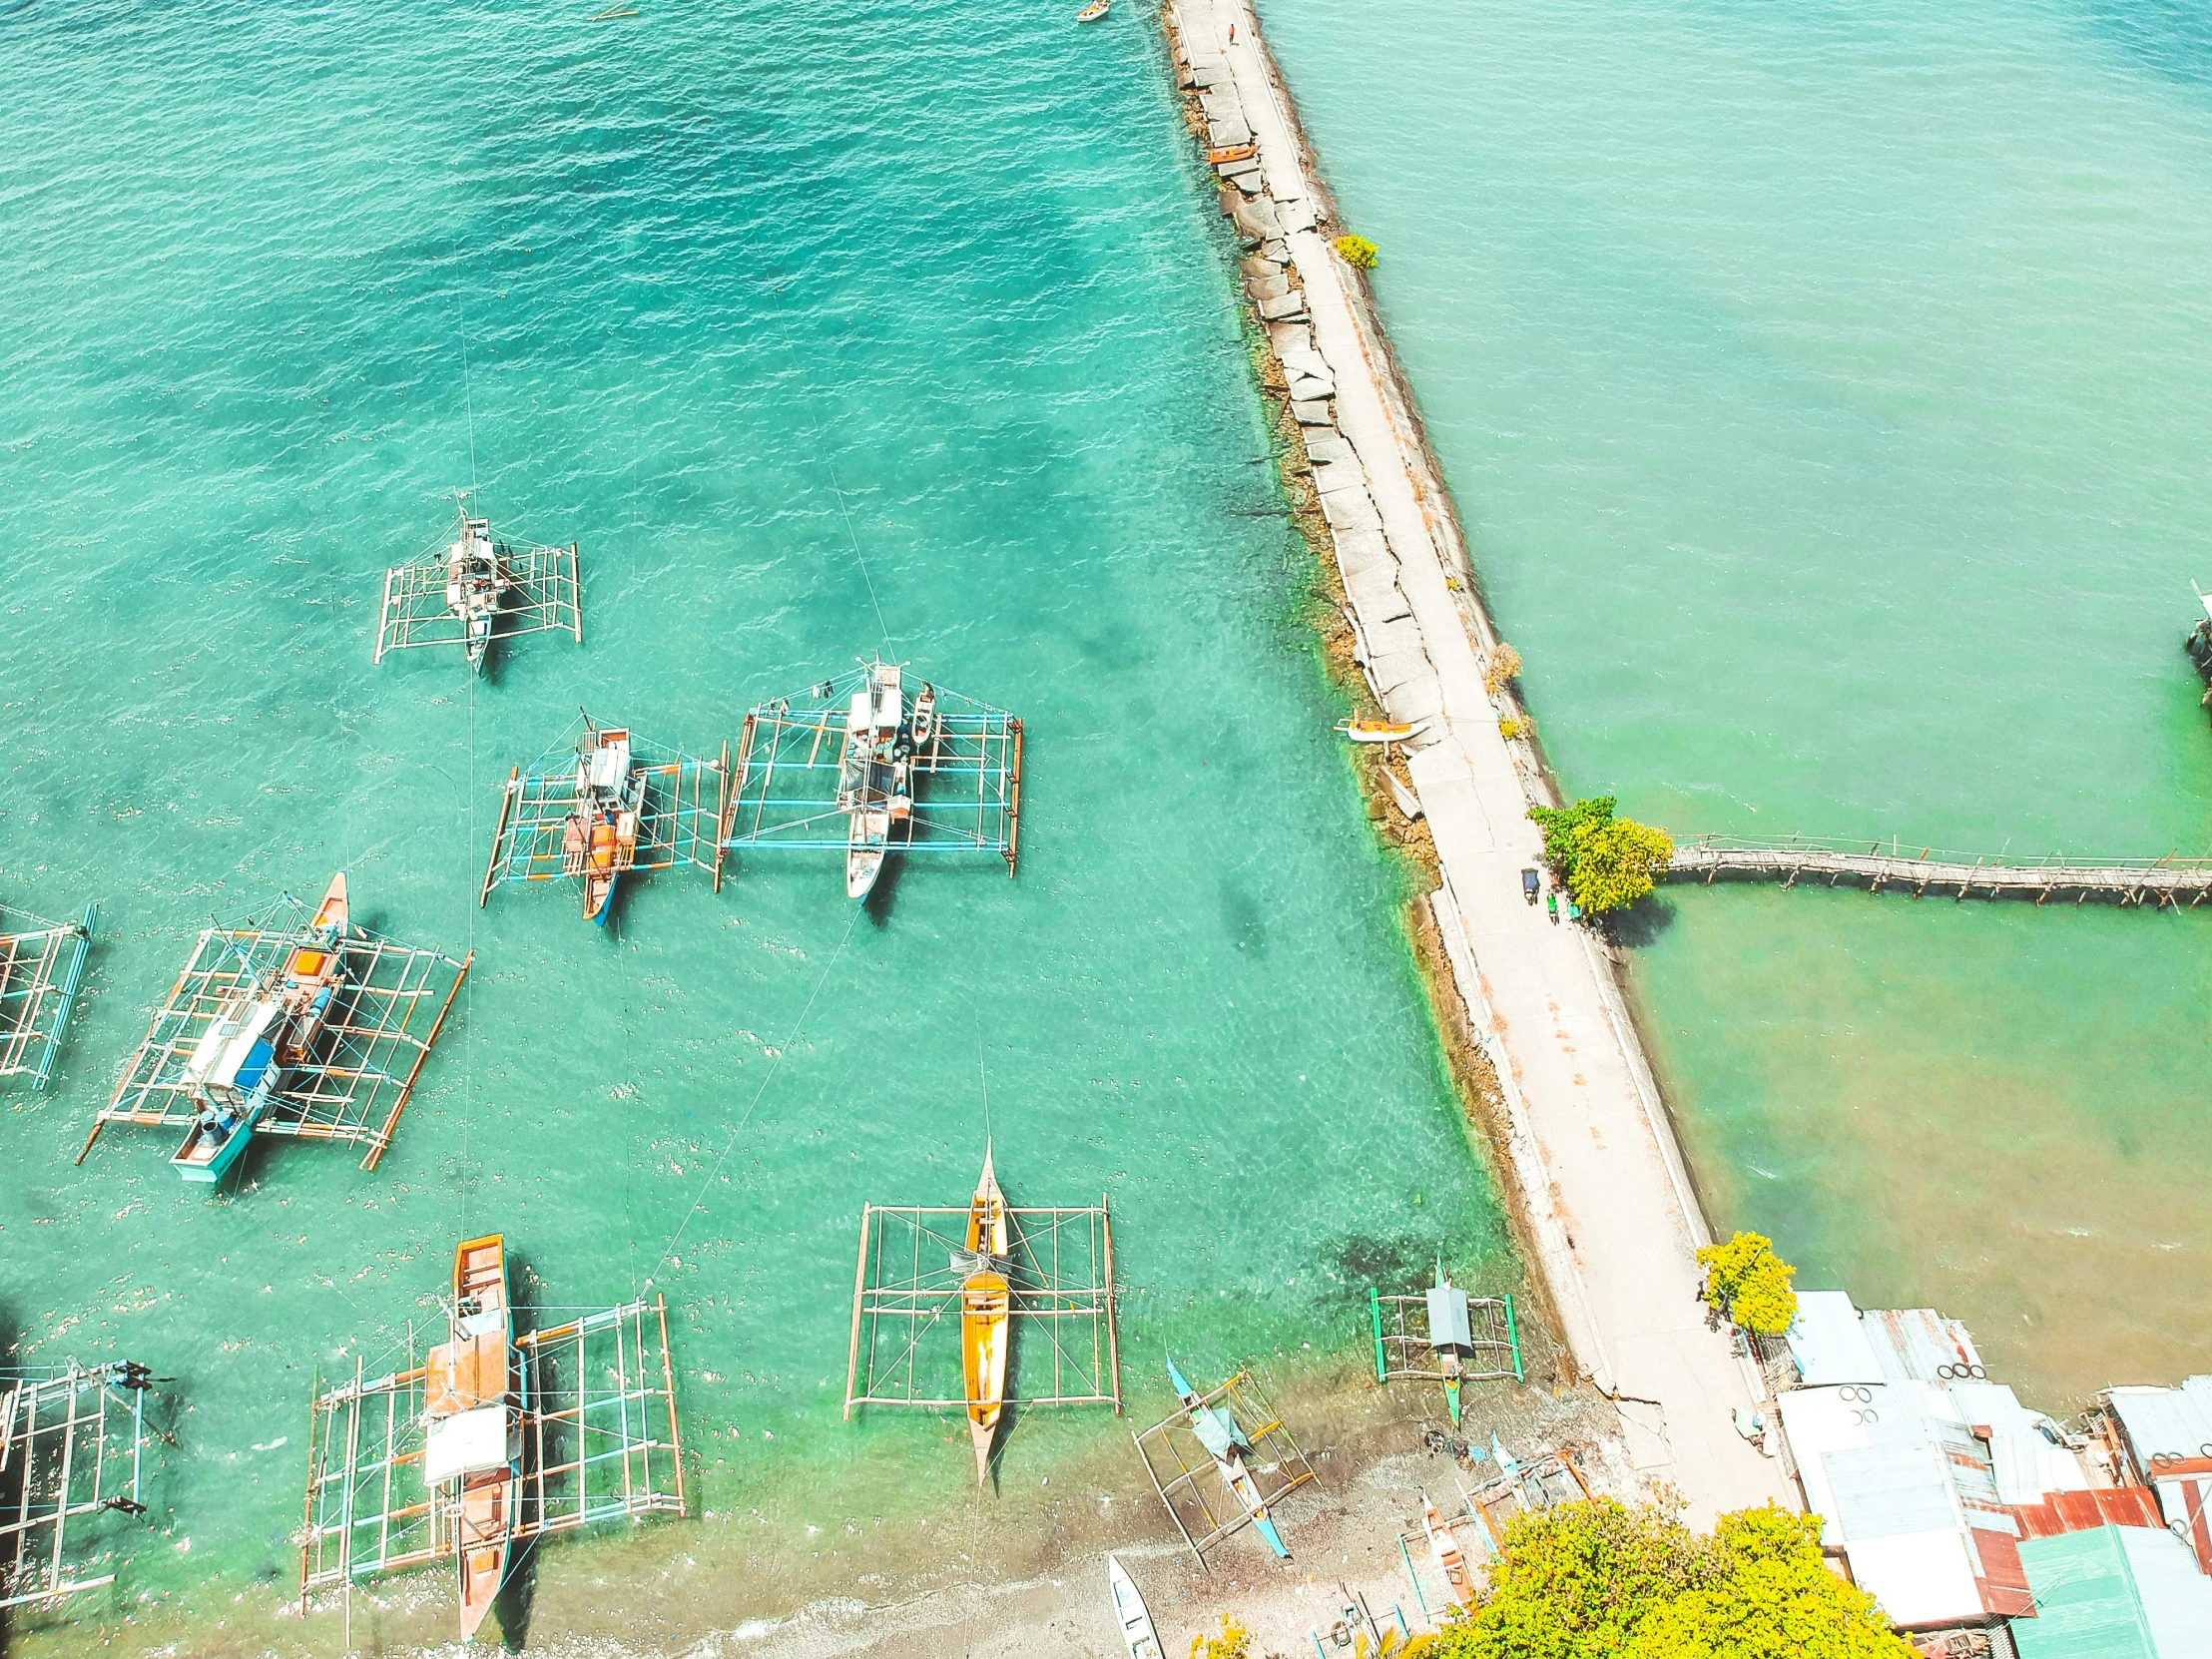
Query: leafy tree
x,y
1357,251
1605,861
1749,1283
1233,1642
1602,1580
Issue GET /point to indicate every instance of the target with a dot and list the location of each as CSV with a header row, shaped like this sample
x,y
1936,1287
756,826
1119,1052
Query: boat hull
x,y
1137,1633
215,1164
985,1302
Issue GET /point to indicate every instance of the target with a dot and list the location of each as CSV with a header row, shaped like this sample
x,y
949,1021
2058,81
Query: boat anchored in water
x,y
599,841
1225,1443
259,1036
985,1316
478,589
473,1449
1130,1612
874,786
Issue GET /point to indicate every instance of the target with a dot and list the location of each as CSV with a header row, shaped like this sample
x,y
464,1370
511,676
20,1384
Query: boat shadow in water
x,y
877,905
516,1600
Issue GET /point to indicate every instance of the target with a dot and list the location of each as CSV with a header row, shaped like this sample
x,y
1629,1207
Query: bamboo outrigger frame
x,y
966,777
905,1291
687,799
599,1443
1195,1493
42,964
70,1443
355,1083
543,594
1402,1348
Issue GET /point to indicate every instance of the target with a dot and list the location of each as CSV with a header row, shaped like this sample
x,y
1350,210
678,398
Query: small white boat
x,y
1094,11
1365,729
874,789
1137,1634
599,839
475,583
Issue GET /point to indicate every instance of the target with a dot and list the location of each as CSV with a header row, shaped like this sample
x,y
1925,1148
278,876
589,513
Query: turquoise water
x,y
783,320
1826,391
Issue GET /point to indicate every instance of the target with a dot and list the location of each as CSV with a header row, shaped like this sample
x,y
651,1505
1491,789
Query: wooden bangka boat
x,y
1364,730
1130,1612
1225,1443
475,581
599,839
1449,1336
257,1037
474,1443
873,786
1450,1561
986,1323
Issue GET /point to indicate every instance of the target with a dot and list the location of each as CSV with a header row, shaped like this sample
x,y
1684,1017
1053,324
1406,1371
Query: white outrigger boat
x,y
874,781
260,1034
599,839
1130,1612
476,580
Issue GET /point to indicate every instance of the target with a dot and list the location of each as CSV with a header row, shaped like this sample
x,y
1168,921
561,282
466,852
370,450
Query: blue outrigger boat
x,y
1225,1443
238,1064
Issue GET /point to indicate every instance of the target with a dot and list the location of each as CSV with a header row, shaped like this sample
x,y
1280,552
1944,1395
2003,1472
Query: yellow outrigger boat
x,y
985,1303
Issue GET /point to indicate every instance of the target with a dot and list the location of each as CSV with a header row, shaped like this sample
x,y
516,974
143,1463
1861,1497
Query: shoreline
x,y
1592,1169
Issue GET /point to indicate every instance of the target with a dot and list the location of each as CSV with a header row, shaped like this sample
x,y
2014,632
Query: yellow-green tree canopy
x,y
1604,1580
1606,862
1749,1283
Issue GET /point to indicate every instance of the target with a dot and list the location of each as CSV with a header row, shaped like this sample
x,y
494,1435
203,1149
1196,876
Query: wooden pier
x,y
1934,871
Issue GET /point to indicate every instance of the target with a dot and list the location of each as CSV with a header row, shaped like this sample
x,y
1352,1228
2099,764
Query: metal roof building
x,y
2114,1592
2167,1433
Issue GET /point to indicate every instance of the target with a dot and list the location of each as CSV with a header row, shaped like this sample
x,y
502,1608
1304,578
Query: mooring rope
x,y
667,1250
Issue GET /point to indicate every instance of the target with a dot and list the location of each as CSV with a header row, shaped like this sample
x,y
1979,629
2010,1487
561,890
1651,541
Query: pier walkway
x,y
1939,872
1613,1219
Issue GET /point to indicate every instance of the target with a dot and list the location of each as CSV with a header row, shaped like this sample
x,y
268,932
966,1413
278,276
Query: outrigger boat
x,y
985,1325
474,1440
476,580
1449,1336
875,782
1450,1560
1130,1612
1225,1443
258,1037
599,839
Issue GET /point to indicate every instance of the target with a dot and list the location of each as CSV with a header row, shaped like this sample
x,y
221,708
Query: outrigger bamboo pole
x,y
383,617
668,1380
576,591
1113,1334
721,810
506,808
1013,814
376,1149
859,1288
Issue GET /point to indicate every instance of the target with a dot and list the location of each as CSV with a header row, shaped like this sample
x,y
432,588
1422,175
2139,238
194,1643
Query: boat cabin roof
x,y
609,762
1447,1318
465,1444
229,1043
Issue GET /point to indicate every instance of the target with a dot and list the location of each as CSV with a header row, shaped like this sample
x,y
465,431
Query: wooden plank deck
x,y
2158,882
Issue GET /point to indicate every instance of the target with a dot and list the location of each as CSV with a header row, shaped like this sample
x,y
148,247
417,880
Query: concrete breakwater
x,y
1606,1203
2155,881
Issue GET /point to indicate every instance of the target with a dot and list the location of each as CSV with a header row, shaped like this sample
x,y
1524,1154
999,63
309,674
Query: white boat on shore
x,y
1130,1612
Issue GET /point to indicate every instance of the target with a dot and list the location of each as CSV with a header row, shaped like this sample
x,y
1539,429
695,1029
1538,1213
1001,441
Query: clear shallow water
x,y
728,301
1826,393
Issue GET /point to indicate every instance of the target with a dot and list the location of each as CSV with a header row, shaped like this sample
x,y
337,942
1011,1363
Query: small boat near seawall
x,y
240,1062
1094,11
985,1303
1364,730
1130,1612
1450,1560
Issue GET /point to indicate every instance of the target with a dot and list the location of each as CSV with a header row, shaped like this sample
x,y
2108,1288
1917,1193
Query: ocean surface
x,y
1826,391
822,333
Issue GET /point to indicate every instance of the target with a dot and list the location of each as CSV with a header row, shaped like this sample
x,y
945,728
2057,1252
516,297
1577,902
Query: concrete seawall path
x,y
1616,1223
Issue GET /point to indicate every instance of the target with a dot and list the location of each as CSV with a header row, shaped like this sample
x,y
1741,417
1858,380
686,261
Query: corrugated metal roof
x,y
2084,1512
1919,1344
2169,1431
1828,1343
2115,1592
1889,1488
